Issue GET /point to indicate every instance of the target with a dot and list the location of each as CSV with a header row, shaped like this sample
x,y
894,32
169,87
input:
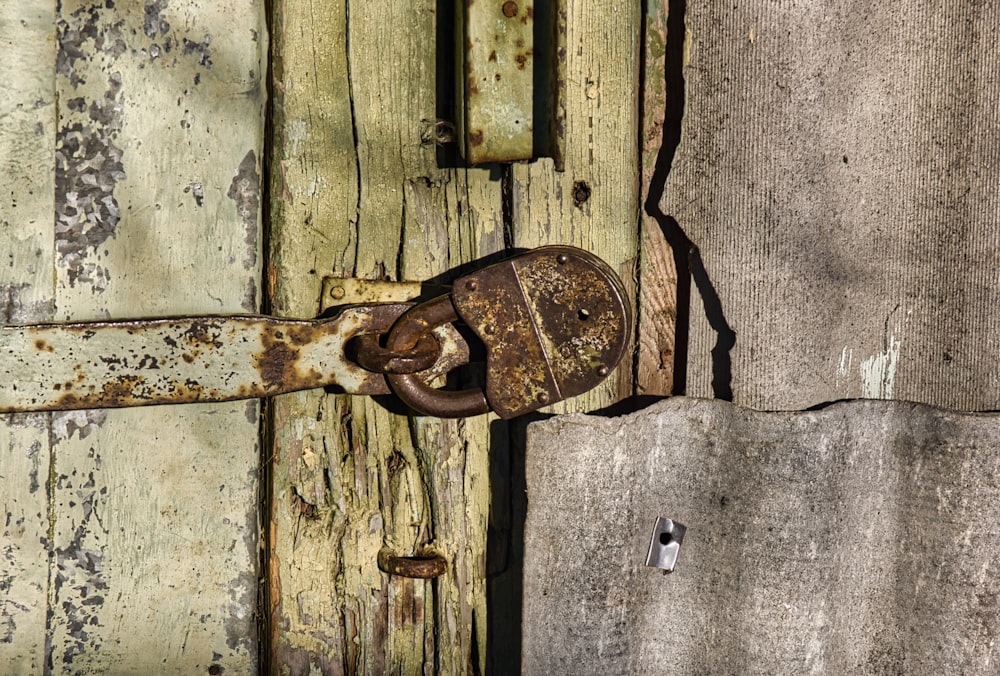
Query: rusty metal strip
x,y
182,360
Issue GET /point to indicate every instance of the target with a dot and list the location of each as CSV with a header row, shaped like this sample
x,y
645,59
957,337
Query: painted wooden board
x,y
837,175
149,517
862,538
594,203
358,190
27,293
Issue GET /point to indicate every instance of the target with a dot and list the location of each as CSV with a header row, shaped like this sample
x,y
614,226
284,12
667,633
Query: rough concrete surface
x,y
861,538
837,170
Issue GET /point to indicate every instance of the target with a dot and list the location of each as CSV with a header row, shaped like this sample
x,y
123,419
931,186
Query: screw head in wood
x,y
510,9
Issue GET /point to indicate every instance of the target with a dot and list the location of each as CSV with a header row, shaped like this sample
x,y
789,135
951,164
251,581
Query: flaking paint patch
x,y
154,22
249,302
82,423
245,192
88,161
878,373
79,583
240,623
10,609
23,421
14,310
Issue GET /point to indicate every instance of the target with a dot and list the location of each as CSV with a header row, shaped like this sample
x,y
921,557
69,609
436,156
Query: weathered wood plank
x,y
349,477
150,521
657,312
27,142
594,204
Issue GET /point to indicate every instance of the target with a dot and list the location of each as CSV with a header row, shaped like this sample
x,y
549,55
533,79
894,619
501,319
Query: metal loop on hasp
x,y
405,334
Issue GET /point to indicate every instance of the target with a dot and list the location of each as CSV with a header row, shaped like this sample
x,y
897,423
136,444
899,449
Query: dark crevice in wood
x,y
354,131
265,650
507,205
505,544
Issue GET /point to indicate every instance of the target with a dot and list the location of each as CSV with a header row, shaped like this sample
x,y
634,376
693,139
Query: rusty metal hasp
x,y
554,321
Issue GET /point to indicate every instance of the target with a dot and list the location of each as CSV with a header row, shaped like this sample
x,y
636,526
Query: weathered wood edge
x,y
657,312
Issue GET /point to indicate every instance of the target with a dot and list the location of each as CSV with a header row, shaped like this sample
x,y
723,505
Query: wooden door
x,y
359,189
132,143
131,139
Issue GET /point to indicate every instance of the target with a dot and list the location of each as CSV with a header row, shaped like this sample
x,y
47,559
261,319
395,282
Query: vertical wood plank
x,y
152,527
27,138
657,312
357,192
594,204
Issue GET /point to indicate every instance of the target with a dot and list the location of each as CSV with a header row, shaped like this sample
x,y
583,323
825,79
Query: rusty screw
x,y
510,9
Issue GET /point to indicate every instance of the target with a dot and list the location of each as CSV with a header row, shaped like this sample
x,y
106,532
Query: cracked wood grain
x,y
357,191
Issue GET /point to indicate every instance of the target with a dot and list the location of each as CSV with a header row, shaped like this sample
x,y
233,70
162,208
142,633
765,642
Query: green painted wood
x,y
358,193
594,203
148,128
358,190
27,292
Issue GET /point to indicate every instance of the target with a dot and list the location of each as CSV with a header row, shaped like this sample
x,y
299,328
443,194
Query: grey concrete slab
x,y
837,171
860,538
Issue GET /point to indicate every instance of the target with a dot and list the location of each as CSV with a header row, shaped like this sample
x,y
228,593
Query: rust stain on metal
x,y
406,333
367,352
125,390
203,333
497,82
277,364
